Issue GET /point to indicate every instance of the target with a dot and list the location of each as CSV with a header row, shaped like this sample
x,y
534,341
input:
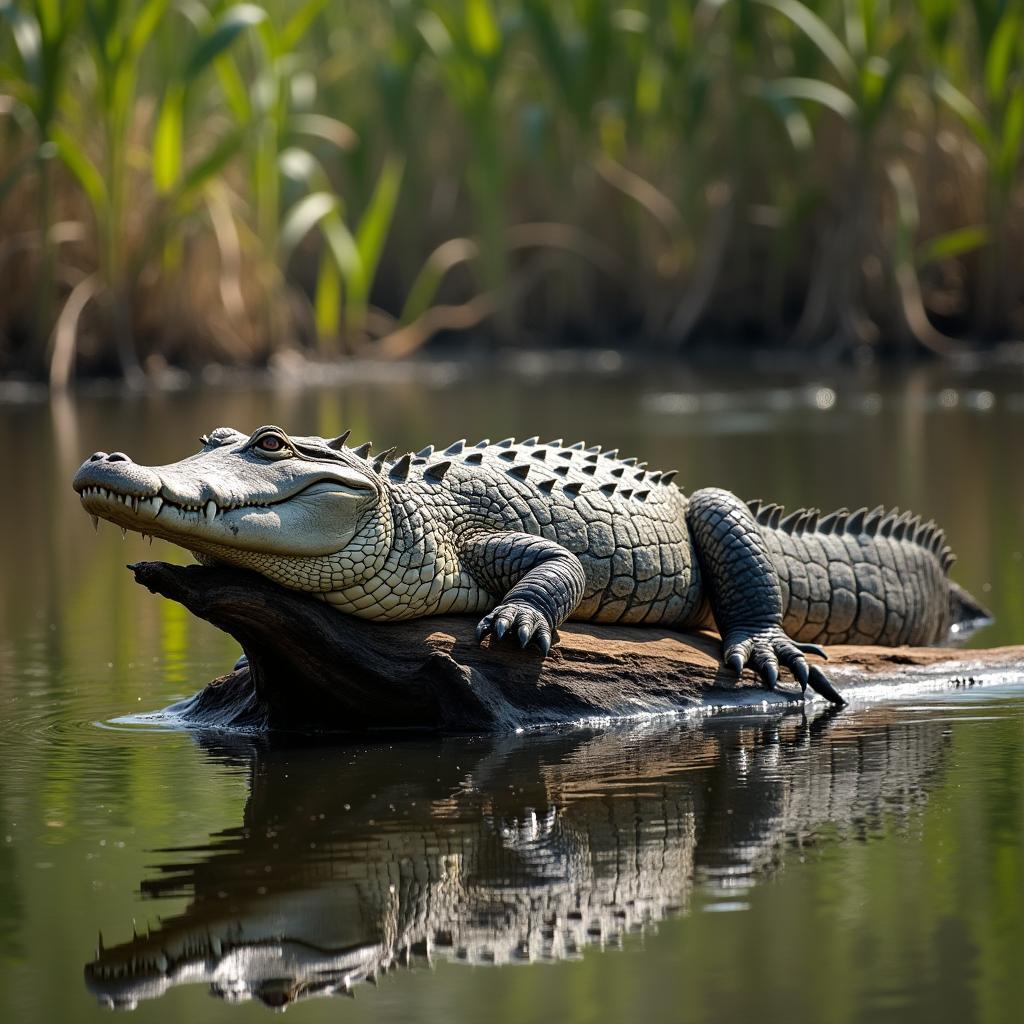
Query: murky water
x,y
868,865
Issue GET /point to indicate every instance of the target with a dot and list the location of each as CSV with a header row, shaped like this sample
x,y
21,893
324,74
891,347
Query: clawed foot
x,y
764,650
522,621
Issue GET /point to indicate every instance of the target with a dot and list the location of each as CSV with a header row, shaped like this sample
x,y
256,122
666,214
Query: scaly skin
x,y
529,534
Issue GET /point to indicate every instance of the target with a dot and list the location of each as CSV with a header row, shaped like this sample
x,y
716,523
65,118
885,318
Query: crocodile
x,y
527,534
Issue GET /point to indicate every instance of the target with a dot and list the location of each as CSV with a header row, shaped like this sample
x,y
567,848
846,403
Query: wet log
x,y
312,668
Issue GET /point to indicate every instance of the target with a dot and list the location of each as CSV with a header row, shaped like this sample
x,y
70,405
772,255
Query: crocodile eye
x,y
270,443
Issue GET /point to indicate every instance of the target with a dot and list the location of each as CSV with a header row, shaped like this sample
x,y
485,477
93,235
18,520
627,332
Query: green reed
x,y
229,180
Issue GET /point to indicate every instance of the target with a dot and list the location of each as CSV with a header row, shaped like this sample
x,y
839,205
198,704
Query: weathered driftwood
x,y
313,668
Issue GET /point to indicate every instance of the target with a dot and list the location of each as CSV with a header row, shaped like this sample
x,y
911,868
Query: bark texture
x,y
312,668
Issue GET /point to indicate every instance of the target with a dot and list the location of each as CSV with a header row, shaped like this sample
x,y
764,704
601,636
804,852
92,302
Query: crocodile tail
x,y
965,612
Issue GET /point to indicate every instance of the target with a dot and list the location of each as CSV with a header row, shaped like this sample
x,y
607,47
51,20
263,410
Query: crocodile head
x,y
301,510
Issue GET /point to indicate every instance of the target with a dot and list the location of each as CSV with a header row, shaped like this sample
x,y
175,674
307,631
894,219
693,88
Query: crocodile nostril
x,y
118,457
97,456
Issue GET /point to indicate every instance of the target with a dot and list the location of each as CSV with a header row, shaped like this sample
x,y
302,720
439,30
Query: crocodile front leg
x,y
538,584
744,591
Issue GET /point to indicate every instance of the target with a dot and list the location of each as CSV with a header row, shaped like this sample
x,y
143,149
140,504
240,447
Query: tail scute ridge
x,y
878,522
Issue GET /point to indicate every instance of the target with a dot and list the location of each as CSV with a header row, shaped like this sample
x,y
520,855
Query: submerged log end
x,y
312,668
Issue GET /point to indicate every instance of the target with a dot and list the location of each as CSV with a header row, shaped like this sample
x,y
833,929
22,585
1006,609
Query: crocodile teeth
x,y
158,503
211,510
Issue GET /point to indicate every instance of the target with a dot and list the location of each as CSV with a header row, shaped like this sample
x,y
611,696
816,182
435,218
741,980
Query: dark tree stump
x,y
312,668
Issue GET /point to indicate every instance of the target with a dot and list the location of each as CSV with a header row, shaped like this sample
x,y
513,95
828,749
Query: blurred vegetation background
x,y
185,182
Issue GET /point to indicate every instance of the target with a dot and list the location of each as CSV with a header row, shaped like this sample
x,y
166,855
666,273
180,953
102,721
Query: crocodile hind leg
x,y
743,588
537,582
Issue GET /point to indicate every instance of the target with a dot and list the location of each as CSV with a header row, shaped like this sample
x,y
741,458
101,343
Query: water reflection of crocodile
x,y
499,852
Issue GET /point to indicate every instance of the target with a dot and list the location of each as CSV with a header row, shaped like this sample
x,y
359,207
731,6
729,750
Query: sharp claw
x,y
820,684
801,670
769,675
813,649
524,635
481,629
543,642
735,662
500,628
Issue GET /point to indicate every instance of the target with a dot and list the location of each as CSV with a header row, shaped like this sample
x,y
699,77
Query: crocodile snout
x,y
116,472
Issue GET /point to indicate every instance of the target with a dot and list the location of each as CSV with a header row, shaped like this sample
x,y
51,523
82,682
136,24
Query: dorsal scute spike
x,y
437,470
400,470
874,519
626,492
474,458
640,475
531,441
505,443
566,453
484,443
519,472
775,516
830,523
573,489
578,446
667,478
755,506
594,449
656,477
539,453
382,457
546,485
509,456
948,558
591,458
337,443
612,453
789,523
589,469
810,521
899,528
425,453
618,471
608,489
557,443
455,447
643,495
631,461
855,524
363,450
764,513
886,525
563,470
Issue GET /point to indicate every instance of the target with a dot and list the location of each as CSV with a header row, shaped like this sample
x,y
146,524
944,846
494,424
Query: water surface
x,y
868,865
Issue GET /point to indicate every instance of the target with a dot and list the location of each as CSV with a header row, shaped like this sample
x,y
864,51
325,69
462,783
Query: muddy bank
x,y
313,669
